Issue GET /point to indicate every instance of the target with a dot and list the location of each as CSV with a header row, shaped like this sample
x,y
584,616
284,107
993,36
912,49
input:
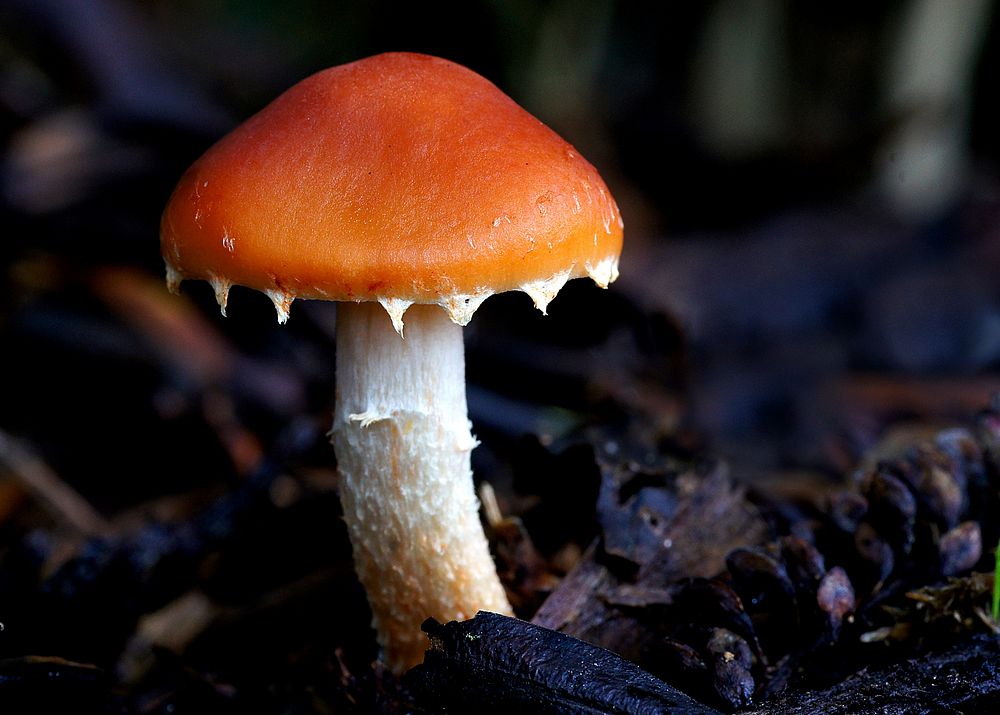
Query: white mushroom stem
x,y
402,437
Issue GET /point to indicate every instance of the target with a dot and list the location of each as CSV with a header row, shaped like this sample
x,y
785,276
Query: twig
x,y
64,503
491,509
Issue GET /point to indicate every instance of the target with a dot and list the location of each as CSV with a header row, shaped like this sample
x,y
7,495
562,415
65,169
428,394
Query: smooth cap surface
x,y
401,178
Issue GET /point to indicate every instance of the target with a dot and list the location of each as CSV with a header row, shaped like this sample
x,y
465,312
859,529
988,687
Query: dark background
x,y
810,193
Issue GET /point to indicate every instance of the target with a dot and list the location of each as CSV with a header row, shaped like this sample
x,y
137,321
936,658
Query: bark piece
x,y
497,664
965,678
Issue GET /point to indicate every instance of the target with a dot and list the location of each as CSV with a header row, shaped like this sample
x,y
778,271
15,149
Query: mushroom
x,y
401,185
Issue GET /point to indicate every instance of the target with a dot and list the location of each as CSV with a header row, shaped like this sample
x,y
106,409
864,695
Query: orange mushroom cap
x,y
401,178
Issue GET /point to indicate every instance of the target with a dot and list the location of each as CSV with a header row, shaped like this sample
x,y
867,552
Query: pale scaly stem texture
x,y
402,436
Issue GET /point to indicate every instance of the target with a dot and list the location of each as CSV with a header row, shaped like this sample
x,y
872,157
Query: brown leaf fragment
x,y
688,548
631,595
521,568
611,602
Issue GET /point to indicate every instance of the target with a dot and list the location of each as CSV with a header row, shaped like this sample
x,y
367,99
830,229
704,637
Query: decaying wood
x,y
497,664
965,679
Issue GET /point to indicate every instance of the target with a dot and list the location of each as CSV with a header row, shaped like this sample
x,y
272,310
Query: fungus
x,y
410,189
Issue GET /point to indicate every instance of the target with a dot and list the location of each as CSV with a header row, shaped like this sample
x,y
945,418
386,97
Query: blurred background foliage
x,y
810,191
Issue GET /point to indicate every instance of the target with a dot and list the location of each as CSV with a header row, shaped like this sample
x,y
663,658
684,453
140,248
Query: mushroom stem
x,y
402,438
